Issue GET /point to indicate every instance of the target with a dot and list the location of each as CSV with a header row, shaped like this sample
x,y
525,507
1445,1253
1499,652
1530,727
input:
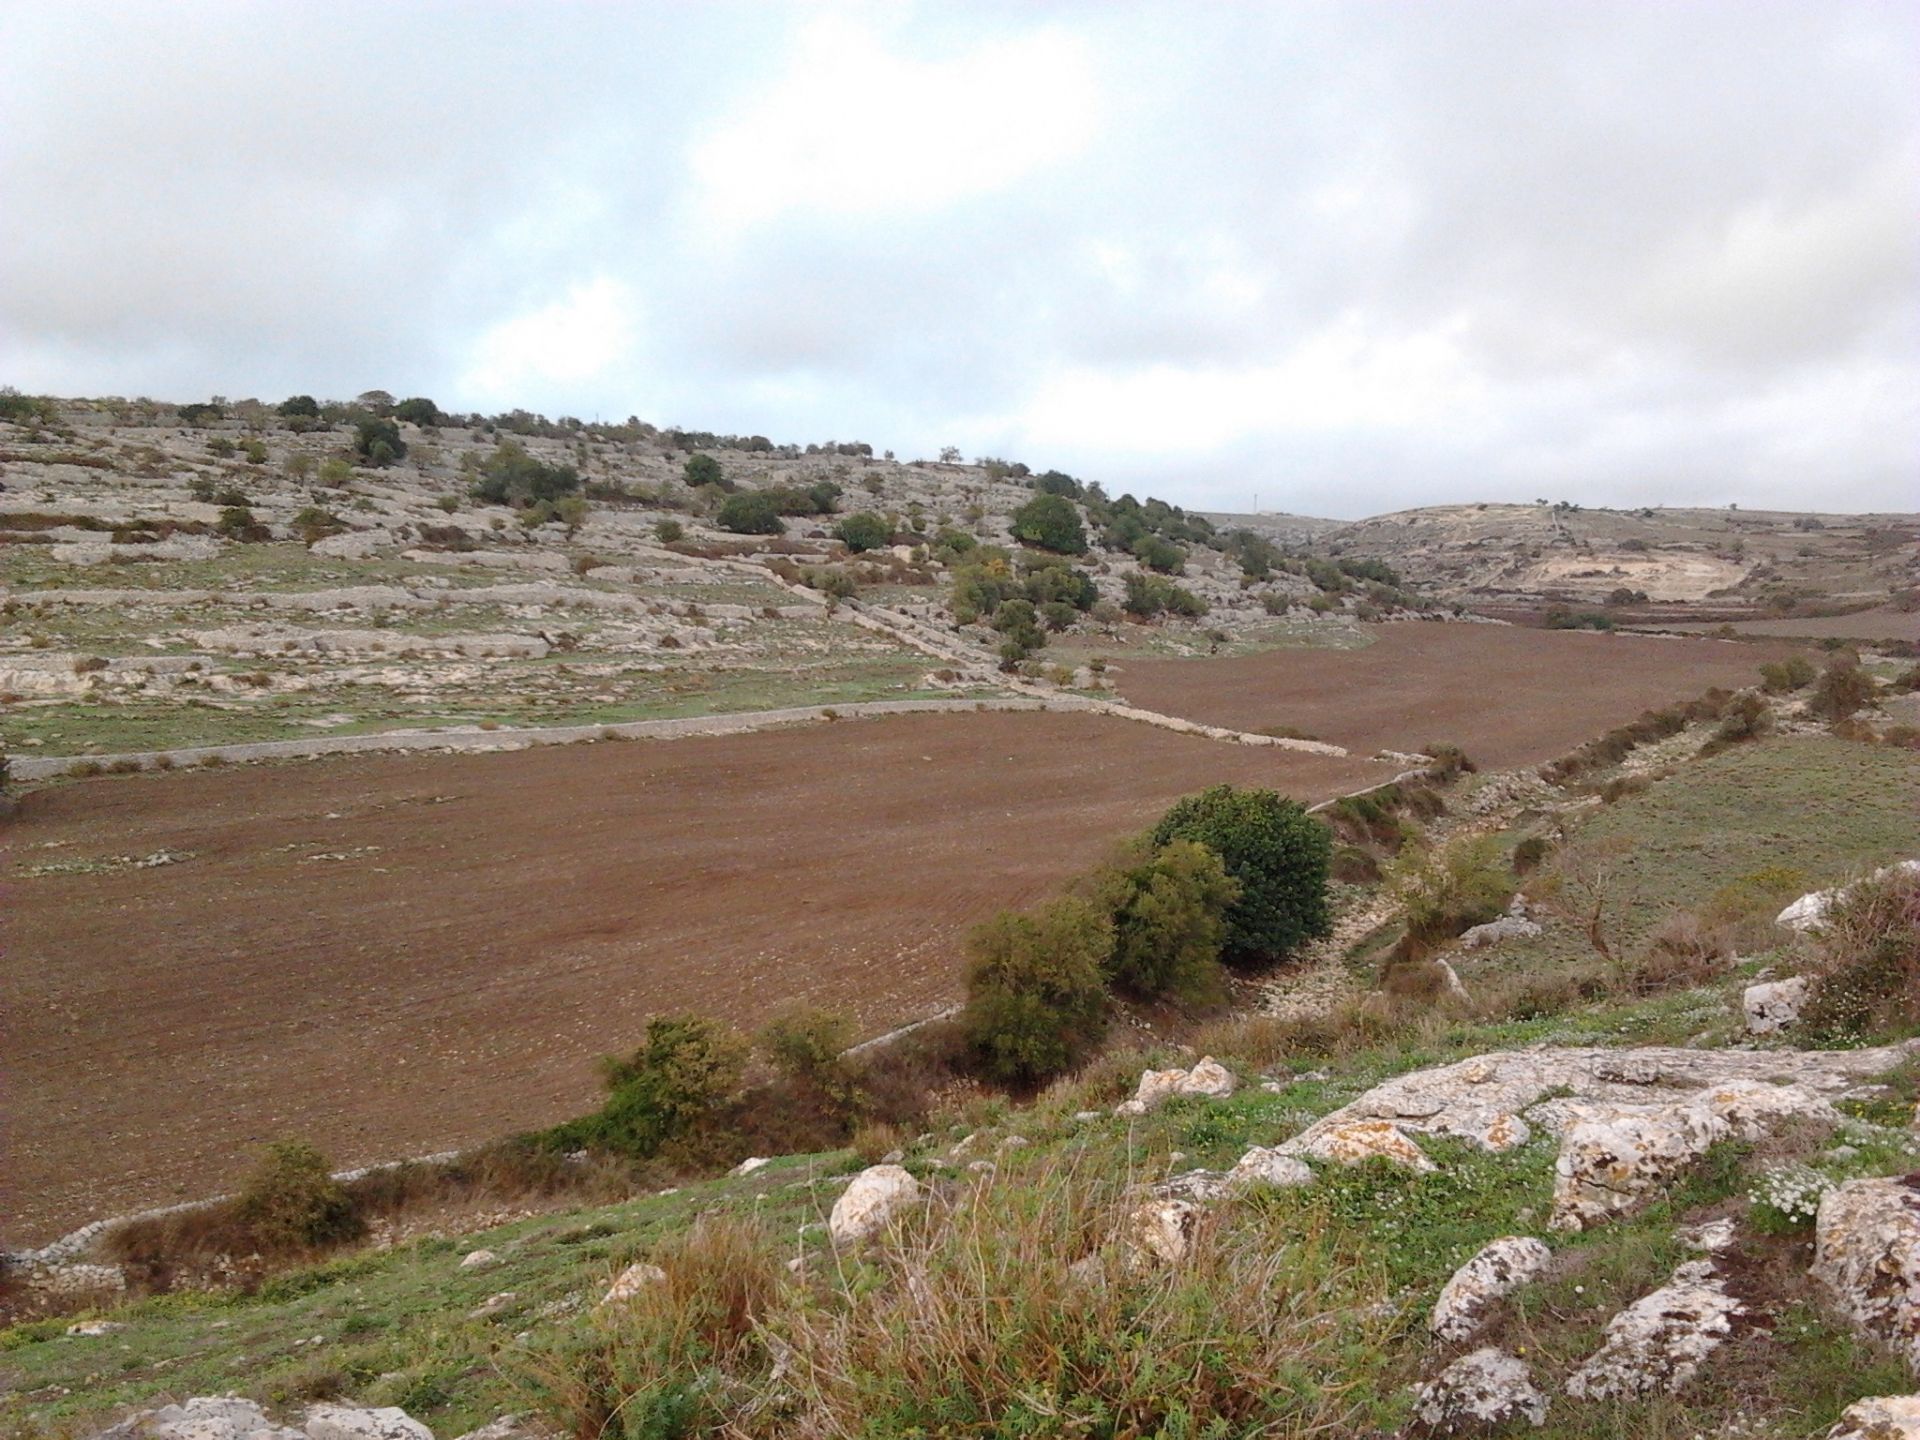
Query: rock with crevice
x,y
1264,1166
1867,1255
1658,1343
875,1196
1479,1393
1546,1085
1502,1267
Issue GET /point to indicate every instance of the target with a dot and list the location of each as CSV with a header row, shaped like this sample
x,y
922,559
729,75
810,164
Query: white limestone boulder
x,y
1658,1343
351,1422
1867,1254
1487,1390
1882,1417
870,1203
1502,1267
1774,1005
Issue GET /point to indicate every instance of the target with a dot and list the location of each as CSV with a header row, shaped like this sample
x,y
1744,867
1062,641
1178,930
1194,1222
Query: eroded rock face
x,y
1774,1005
1501,1268
1484,1391
1867,1253
1884,1417
1358,1141
865,1207
1658,1343
1207,1078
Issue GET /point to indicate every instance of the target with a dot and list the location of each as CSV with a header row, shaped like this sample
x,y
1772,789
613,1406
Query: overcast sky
x,y
1352,257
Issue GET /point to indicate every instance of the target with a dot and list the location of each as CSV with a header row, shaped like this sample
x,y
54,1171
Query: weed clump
x,y
292,1202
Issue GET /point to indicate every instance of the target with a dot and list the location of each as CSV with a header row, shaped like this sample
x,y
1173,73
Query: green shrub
x,y
236,522
752,512
1169,910
807,1046
1052,523
302,406
1842,690
863,531
417,411
687,1070
1274,851
1036,991
1017,620
1448,890
703,470
511,476
292,1202
669,531
314,522
1781,676
377,441
1160,554
1150,595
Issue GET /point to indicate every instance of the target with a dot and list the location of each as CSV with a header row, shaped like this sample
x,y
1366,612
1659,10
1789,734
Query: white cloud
x,y
574,341
852,128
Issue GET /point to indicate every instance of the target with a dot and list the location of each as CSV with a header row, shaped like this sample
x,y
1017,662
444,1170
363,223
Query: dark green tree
x,y
863,530
377,441
751,512
1052,523
1274,851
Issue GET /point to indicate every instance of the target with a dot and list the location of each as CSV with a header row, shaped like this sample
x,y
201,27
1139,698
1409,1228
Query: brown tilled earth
x,y
399,954
1509,696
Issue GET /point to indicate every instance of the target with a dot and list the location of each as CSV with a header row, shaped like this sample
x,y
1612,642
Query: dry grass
x,y
1001,1308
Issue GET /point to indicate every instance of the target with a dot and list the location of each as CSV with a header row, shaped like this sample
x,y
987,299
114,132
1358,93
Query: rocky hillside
x,y
178,576
1735,559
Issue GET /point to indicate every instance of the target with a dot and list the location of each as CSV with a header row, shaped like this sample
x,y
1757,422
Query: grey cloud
x,y
1671,250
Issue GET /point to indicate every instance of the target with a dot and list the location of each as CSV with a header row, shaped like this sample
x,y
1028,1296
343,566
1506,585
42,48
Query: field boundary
x,y
52,767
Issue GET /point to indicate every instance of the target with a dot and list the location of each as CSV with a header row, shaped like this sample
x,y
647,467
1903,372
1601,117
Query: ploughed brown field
x,y
1509,696
392,955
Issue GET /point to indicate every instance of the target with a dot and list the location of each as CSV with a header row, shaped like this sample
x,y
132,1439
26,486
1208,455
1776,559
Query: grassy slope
x,y
1350,1266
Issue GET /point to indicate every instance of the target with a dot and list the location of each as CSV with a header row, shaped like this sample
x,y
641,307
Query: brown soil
x,y
1861,625
394,955
1509,696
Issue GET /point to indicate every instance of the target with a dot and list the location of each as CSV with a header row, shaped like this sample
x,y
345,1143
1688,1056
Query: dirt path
x,y
396,954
